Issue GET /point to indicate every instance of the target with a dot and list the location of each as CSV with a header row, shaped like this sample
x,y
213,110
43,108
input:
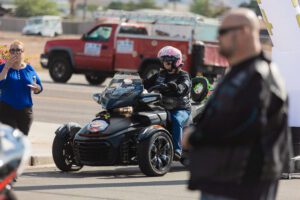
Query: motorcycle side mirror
x,y
97,97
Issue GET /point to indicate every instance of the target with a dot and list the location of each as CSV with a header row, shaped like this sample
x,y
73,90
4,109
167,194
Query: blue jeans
x,y
179,118
206,196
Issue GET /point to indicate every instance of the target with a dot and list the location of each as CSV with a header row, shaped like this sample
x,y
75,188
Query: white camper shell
x,y
43,25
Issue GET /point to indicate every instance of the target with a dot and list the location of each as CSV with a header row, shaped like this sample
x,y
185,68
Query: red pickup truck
x,y
111,47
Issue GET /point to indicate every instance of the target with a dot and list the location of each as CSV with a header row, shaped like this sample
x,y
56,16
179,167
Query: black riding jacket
x,y
172,100
242,137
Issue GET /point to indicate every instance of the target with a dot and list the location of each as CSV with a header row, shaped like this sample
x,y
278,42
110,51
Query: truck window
x,y
102,33
34,21
133,30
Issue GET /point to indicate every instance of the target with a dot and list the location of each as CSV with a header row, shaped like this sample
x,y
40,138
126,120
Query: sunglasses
x,y
15,50
224,31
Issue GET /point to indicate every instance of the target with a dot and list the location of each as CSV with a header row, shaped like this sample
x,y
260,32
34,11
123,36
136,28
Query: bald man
x,y
240,143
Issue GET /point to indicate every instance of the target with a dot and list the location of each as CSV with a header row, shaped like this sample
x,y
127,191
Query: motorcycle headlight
x,y
97,125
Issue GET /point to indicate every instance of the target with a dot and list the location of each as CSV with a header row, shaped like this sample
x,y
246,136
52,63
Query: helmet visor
x,y
168,59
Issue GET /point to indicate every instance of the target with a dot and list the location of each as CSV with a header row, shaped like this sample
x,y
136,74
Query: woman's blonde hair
x,y
17,42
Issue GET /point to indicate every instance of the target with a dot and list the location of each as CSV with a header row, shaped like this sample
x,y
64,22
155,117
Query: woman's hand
x,y
11,62
36,88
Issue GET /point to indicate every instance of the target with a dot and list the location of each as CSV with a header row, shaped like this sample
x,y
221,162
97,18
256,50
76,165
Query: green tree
x,y
116,5
219,9
201,7
146,4
28,8
208,8
252,5
92,7
131,5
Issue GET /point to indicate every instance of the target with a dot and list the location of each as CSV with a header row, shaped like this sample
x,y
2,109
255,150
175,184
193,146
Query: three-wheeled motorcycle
x,y
132,129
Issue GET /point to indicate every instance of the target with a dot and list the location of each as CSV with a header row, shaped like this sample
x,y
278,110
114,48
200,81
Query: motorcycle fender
x,y
67,130
149,131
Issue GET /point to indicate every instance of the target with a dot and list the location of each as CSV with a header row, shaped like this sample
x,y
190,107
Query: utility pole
x,y
84,10
72,7
174,4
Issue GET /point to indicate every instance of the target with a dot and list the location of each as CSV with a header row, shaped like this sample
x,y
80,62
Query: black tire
x,y
95,79
62,153
60,68
155,154
201,83
149,70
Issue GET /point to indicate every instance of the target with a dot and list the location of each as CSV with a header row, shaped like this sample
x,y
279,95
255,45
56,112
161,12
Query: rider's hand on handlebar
x,y
172,86
163,87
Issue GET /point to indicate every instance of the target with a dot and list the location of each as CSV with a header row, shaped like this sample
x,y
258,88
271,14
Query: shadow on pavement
x,y
121,172
101,185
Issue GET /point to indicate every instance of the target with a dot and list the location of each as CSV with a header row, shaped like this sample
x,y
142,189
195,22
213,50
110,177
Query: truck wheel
x,y
149,70
63,156
95,79
155,154
60,69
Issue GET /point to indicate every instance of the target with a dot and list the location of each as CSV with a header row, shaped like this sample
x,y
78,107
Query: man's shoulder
x,y
262,67
270,74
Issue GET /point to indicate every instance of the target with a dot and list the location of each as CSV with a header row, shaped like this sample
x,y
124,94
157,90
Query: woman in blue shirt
x,y
17,80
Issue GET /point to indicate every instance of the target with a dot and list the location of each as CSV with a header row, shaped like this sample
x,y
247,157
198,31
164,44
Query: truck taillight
x,y
46,48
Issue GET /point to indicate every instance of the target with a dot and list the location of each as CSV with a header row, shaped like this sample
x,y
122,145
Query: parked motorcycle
x,y
14,153
133,129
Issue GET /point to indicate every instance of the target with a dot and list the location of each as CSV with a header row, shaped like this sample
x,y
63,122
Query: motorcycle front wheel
x,y
155,154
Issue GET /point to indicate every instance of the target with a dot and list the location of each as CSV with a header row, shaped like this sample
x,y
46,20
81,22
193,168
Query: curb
x,y
40,160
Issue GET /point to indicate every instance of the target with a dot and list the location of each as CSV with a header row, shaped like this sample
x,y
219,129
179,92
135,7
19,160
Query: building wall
x,y
17,24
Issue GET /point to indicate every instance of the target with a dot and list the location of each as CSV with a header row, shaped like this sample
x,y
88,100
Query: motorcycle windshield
x,y
122,91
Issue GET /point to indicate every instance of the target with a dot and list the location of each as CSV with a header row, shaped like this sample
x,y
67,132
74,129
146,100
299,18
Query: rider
x,y
174,85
